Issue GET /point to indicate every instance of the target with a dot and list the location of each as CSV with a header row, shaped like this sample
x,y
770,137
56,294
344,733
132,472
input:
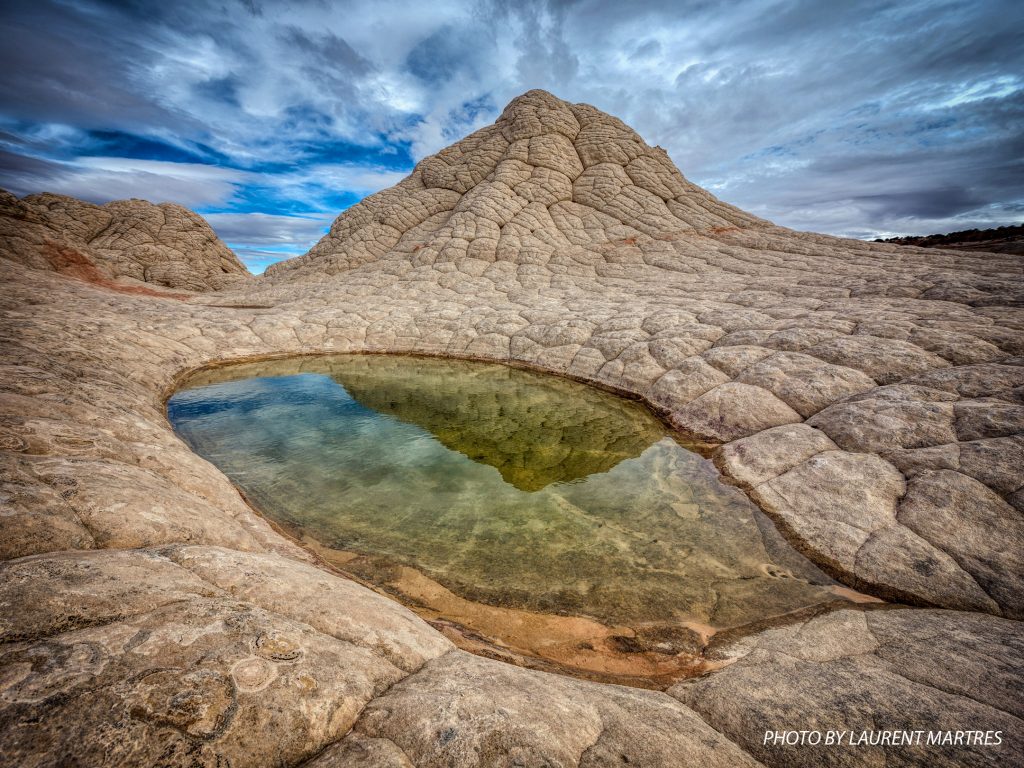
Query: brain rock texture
x,y
867,396
165,245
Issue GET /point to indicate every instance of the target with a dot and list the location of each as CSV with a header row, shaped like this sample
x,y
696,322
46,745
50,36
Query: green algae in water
x,y
511,488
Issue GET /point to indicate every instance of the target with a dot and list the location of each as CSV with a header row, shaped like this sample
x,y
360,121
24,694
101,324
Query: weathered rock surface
x,y
555,238
463,710
132,241
841,671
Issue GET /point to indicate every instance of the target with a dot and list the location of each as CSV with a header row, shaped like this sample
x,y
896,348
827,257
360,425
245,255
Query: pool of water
x,y
526,515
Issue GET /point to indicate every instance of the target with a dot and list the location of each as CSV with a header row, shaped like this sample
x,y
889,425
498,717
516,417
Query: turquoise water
x,y
510,488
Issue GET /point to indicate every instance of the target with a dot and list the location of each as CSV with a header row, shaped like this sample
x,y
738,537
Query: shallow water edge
x,y
680,561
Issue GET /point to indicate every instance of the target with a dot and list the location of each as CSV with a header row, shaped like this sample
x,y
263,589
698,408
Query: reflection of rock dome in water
x,y
532,439
391,461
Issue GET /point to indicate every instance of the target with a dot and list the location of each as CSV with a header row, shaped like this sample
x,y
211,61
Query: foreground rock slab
x,y
952,671
463,710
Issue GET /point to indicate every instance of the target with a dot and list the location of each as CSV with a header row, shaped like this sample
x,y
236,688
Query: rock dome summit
x,y
867,396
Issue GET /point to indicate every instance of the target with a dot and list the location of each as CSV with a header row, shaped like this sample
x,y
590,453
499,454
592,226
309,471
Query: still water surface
x,y
526,515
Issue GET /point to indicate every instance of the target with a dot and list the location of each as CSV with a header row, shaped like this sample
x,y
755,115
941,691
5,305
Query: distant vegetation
x,y
1009,239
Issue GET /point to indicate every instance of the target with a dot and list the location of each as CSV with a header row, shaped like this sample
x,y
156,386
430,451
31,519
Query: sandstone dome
x,y
560,189
133,241
549,183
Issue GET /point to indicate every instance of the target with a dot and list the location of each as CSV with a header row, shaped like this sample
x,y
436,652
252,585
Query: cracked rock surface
x,y
132,241
868,396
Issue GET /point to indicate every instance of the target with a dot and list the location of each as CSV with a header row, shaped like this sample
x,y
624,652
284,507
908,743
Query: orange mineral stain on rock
x,y
73,263
853,595
569,644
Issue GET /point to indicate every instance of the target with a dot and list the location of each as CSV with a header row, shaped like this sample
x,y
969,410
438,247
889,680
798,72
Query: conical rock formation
x,y
549,183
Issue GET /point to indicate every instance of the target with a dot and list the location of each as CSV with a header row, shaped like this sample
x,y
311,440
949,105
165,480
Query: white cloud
x,y
258,259
266,229
102,179
360,179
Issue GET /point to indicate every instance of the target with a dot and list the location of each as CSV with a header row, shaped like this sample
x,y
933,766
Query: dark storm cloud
x,y
222,90
327,51
30,169
860,118
439,56
67,67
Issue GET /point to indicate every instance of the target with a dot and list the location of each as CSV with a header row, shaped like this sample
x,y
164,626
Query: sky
x,y
861,119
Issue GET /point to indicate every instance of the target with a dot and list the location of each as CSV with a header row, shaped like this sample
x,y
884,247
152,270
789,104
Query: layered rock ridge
x,y
868,395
